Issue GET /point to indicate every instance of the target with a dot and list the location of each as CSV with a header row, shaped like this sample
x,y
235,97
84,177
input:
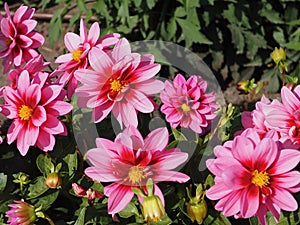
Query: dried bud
x,y
278,55
88,193
197,210
53,180
153,208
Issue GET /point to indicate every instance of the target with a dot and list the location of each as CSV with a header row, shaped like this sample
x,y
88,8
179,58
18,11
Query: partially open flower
x,y
153,208
278,55
21,213
53,180
197,210
88,193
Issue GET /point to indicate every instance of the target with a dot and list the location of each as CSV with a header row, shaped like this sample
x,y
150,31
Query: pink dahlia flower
x,y
79,47
130,161
254,176
18,40
186,104
119,81
21,213
285,117
34,108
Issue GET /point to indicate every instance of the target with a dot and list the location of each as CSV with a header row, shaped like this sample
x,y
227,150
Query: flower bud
x,y
153,208
21,213
197,210
53,180
278,55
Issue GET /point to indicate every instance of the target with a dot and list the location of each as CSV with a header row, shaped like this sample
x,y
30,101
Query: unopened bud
x,y
197,210
153,208
278,55
53,180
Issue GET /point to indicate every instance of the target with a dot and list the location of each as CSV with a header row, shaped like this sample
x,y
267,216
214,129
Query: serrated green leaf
x,y
237,38
80,219
71,161
3,181
44,164
37,188
191,33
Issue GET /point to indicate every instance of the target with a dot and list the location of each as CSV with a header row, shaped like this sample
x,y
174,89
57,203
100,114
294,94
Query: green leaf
x,y
294,45
274,84
278,35
71,161
151,3
178,135
37,188
55,27
180,12
81,5
44,164
3,181
209,181
80,219
253,221
237,38
191,33
47,200
171,28
130,210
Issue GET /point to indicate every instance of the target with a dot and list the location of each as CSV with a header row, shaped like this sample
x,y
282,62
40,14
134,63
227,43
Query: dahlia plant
x,y
162,151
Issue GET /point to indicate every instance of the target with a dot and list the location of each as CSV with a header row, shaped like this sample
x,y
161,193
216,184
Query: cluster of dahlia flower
x,y
253,172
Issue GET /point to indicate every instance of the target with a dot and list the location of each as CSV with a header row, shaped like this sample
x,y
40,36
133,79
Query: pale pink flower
x,y
18,40
119,81
34,108
21,213
285,117
79,47
130,161
186,104
254,176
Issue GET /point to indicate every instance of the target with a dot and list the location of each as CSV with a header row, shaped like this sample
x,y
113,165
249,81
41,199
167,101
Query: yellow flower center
x,y
260,178
136,174
116,85
185,107
25,112
76,55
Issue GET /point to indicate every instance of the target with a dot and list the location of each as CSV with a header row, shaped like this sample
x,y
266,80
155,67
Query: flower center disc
x,y
185,107
116,85
25,112
76,55
260,178
136,174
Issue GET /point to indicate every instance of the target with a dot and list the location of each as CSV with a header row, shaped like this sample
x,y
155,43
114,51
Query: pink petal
x,y
236,177
218,191
58,108
284,199
146,72
27,26
250,201
64,58
38,40
287,180
157,139
83,33
265,154
33,95
100,61
101,174
22,142
121,49
100,112
288,159
170,161
94,33
150,87
14,130
289,100
45,141
24,41
168,175
39,116
72,41
53,125
119,197
231,204
242,150
139,101
50,93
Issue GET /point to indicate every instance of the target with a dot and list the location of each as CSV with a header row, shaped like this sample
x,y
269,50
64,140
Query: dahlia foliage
x,y
133,173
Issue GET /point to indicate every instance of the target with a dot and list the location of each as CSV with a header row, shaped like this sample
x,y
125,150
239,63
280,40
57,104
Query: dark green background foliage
x,y
235,38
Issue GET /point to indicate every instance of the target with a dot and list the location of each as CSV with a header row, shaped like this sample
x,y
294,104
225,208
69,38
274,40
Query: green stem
x,y
49,219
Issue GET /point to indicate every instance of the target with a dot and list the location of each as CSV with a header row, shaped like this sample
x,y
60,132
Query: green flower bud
x,y
153,208
278,55
197,210
53,180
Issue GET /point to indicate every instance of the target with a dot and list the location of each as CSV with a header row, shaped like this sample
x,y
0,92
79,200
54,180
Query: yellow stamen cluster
x,y
76,55
116,85
260,178
25,112
185,107
136,174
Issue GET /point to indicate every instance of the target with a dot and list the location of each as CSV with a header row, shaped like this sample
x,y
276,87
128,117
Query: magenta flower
x,y
18,40
21,213
120,81
79,47
130,161
285,117
186,104
254,176
34,109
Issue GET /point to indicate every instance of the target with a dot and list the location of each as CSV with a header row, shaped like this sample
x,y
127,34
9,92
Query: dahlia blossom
x,y
186,104
79,47
21,213
119,81
285,117
130,161
34,108
254,176
18,40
